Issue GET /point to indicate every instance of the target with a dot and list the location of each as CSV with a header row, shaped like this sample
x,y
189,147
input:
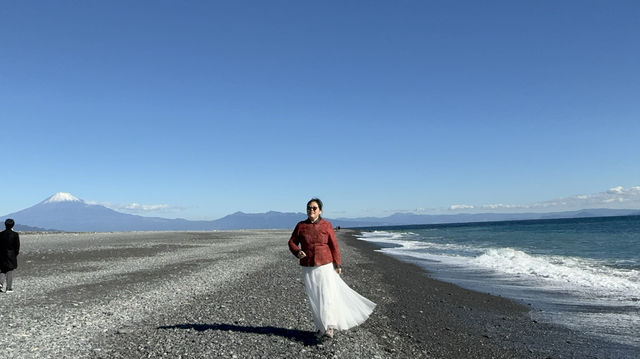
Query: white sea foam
x,y
377,236
582,277
408,242
589,278
398,239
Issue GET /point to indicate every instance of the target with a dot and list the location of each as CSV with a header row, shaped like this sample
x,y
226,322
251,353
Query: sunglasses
x,y
312,208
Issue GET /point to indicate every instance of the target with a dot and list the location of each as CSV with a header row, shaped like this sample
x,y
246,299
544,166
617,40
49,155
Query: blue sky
x,y
203,108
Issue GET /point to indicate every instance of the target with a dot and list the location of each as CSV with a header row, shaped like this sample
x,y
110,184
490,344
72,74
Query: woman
x,y
9,250
335,306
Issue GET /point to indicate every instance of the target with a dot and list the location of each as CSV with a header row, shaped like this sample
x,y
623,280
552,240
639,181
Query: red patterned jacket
x,y
318,241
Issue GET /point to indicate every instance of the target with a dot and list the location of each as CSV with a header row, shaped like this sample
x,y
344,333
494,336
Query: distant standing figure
x,y
335,306
9,250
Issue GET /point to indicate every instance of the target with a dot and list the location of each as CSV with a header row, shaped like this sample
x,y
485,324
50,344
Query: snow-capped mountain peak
x,y
62,197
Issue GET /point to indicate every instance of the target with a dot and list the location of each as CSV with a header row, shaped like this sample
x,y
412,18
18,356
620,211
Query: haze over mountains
x,y
65,212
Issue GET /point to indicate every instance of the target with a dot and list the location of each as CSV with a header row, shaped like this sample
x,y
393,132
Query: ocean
x,y
582,273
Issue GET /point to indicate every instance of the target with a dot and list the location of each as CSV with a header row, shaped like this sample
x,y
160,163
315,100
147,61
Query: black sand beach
x,y
238,294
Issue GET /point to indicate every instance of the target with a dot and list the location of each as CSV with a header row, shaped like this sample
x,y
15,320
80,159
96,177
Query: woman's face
x,y
313,211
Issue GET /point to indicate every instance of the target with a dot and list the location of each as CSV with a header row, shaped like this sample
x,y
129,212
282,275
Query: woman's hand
x,y
339,270
301,254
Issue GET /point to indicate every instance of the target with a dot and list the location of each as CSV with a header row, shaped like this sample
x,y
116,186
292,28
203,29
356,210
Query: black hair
x,y
9,223
316,200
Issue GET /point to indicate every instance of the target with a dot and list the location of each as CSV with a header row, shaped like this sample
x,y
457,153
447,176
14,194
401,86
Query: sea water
x,y
582,273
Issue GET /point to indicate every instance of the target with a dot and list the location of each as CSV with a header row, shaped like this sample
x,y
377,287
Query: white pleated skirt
x,y
333,303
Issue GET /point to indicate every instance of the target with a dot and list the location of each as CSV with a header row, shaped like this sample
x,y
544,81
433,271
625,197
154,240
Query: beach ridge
x,y
239,294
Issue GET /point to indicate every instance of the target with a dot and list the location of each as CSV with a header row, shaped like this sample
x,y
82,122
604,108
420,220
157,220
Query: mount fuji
x,y
65,212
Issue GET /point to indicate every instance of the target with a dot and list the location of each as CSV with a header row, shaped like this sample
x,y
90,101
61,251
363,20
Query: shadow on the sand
x,y
304,336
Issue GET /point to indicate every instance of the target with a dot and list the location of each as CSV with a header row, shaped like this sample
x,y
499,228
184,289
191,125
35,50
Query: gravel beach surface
x,y
239,294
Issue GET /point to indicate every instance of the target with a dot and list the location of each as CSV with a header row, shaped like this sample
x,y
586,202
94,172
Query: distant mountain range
x,y
64,212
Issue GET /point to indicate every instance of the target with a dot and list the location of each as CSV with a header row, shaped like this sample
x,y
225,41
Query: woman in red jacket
x,y
334,305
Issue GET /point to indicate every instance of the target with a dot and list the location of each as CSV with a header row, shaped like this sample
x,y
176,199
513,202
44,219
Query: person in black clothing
x,y
9,250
